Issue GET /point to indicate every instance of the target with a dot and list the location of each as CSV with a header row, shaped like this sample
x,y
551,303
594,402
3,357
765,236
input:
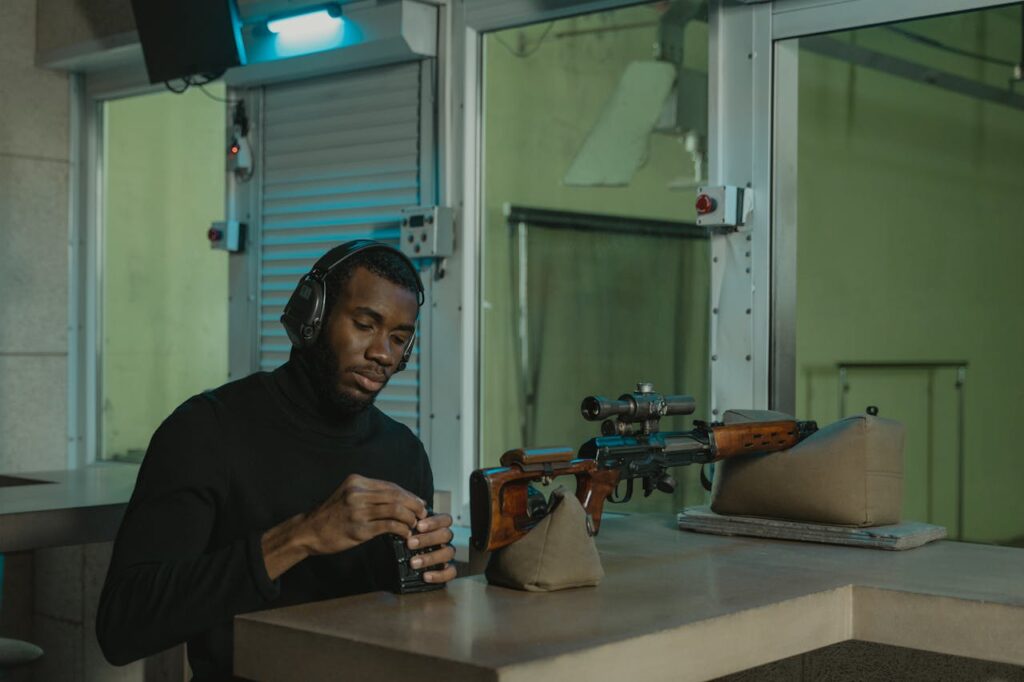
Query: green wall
x,y
164,316
910,247
605,311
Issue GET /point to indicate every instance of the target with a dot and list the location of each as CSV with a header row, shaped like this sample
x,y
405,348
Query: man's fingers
x,y
434,522
439,556
375,528
441,536
442,576
391,511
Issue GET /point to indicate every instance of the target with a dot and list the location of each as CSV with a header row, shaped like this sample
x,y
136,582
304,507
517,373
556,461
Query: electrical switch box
x,y
227,235
428,232
723,206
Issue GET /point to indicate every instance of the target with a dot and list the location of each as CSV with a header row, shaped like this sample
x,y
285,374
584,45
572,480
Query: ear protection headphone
x,y
304,313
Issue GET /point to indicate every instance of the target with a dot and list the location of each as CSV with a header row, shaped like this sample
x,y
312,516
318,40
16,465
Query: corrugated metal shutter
x,y
341,158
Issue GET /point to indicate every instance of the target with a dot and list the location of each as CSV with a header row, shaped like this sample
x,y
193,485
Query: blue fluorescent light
x,y
312,25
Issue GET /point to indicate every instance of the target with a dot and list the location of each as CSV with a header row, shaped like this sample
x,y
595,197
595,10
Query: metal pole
x,y
961,377
842,392
522,327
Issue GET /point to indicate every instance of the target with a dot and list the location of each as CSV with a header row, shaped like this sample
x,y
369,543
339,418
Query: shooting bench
x,y
674,605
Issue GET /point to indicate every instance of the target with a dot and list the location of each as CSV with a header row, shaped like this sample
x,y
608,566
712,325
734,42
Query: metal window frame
x,y
242,202
752,121
89,92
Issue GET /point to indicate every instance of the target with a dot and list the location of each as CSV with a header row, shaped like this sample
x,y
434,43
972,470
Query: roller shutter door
x,y
341,159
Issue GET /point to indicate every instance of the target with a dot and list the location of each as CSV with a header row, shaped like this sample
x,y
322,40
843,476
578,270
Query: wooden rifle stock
x,y
500,511
499,497
743,438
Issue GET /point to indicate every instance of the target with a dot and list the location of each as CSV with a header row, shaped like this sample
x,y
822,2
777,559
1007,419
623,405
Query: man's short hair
x,y
381,262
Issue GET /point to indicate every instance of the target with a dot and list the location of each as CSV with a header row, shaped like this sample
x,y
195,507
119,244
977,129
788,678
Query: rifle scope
x,y
639,406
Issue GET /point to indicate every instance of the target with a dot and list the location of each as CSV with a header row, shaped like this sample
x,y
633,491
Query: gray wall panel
x,y
67,23
33,102
33,412
34,152
33,255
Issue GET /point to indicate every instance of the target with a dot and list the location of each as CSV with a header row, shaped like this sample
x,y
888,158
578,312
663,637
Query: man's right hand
x,y
359,510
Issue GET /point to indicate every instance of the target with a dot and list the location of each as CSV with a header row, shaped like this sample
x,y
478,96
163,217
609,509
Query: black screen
x,y
186,37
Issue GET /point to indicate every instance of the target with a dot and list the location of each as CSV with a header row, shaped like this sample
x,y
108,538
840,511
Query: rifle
x,y
504,505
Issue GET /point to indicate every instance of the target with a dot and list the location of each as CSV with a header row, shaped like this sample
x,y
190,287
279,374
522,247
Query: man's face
x,y
367,331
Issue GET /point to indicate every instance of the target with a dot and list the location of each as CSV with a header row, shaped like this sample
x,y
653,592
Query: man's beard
x,y
326,378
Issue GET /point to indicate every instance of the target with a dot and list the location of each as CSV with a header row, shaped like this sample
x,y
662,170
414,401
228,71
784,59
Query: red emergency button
x,y
214,235
705,204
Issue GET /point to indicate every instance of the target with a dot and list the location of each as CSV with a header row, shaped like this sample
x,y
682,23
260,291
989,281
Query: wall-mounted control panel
x,y
428,232
227,235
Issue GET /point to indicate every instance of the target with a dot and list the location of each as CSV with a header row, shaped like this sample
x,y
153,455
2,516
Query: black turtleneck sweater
x,y
225,467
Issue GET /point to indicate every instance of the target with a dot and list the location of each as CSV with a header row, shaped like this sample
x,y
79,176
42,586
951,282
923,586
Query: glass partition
x,y
594,274
164,291
909,291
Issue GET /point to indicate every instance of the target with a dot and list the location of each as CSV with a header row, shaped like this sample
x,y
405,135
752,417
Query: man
x,y
276,489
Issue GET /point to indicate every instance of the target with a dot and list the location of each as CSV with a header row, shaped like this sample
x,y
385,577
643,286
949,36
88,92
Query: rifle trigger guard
x,y
629,493
705,482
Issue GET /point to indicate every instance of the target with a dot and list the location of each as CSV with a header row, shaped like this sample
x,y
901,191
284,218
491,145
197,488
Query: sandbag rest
x,y
557,554
848,473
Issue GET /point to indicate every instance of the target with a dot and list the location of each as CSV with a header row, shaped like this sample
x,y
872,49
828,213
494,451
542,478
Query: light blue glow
x,y
313,26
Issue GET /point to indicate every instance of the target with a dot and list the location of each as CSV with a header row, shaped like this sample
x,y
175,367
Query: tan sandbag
x,y
848,473
557,554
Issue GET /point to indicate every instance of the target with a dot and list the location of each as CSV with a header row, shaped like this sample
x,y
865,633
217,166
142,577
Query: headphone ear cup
x,y
303,312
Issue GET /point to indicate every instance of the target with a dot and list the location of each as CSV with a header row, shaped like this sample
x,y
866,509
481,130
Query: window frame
x,y
752,121
89,92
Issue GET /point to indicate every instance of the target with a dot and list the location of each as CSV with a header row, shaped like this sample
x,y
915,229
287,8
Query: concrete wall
x,y
50,596
33,332
33,251
68,24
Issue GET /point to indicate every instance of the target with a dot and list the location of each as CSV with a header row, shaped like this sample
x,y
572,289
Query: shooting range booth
x,y
807,206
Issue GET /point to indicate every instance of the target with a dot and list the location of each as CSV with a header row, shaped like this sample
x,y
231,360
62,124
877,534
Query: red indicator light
x,y
705,204
214,235
234,149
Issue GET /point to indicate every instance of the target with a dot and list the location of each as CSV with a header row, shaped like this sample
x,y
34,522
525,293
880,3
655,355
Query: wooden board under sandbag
x,y
906,535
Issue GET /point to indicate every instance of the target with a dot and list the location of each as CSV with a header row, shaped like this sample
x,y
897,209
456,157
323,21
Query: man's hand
x,y
359,510
434,531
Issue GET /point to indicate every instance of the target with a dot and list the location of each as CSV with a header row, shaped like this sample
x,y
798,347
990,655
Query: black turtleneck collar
x,y
293,385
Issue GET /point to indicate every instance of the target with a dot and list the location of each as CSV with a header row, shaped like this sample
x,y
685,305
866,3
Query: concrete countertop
x,y
74,507
673,605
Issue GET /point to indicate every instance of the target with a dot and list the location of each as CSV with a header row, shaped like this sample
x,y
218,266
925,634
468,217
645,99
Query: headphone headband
x,y
306,308
341,253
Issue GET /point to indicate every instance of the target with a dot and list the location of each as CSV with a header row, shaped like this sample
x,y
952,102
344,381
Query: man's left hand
x,y
434,531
